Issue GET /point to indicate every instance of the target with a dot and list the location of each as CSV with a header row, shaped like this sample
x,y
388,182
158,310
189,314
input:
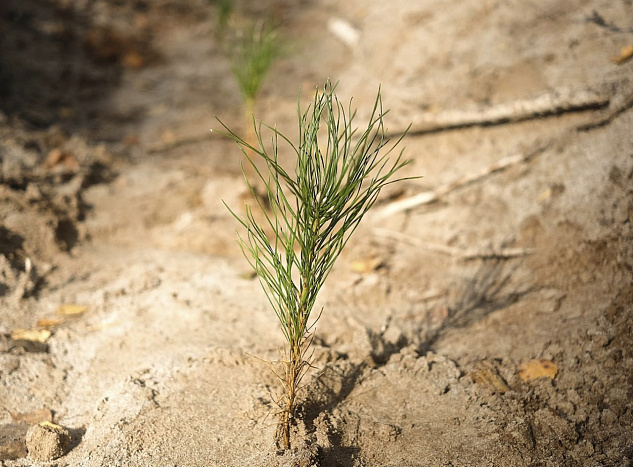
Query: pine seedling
x,y
310,214
224,11
252,55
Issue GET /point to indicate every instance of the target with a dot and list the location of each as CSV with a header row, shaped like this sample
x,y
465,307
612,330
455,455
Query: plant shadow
x,y
331,387
76,436
493,286
490,289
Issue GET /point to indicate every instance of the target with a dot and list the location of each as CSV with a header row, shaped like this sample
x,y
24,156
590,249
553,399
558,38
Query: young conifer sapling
x,y
252,55
309,214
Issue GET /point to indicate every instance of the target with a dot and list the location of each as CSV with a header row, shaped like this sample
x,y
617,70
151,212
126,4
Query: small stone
x,y
12,444
47,441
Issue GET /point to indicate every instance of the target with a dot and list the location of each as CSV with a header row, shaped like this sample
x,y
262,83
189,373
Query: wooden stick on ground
x,y
428,197
545,104
619,105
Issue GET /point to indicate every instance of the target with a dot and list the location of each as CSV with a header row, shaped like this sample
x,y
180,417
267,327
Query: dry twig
x,y
545,104
428,197
617,107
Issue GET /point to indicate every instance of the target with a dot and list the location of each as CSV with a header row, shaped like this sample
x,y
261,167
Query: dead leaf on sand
x,y
537,368
33,335
547,194
366,266
625,53
49,322
59,158
52,425
488,377
71,310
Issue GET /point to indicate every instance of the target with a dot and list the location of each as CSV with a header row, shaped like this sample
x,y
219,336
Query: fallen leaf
x,y
52,425
57,157
49,322
365,266
71,310
625,53
37,416
545,195
102,325
33,335
489,377
537,368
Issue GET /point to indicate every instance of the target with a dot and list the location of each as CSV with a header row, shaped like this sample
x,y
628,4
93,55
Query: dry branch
x,y
428,197
545,104
531,108
618,106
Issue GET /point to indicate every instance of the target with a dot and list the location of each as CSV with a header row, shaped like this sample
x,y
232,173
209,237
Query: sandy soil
x,y
519,259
